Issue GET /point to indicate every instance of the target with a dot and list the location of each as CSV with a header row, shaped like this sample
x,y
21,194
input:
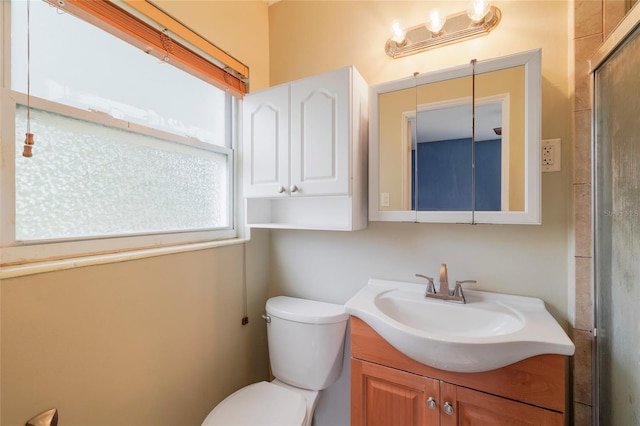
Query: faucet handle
x,y
457,291
431,287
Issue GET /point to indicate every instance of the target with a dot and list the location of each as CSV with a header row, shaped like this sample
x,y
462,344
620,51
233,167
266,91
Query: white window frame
x,y
13,252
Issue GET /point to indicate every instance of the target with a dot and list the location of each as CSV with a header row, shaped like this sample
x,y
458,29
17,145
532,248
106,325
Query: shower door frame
x,y
625,29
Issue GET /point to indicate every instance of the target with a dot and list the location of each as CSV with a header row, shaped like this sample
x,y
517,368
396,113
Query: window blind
x,y
230,75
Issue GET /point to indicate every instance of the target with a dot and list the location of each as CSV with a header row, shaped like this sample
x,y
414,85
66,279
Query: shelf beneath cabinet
x,y
312,213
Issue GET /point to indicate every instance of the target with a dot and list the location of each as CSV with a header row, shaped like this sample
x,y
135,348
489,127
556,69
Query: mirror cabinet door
x,y
397,129
499,140
443,151
458,145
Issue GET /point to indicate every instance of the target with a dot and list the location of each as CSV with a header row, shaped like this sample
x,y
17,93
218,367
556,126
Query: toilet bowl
x,y
306,345
262,403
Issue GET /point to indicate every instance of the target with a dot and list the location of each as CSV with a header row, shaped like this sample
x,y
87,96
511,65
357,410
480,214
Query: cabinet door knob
x,y
281,189
431,403
448,408
293,188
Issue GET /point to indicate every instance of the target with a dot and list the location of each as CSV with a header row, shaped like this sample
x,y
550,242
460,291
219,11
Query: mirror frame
x,y
532,213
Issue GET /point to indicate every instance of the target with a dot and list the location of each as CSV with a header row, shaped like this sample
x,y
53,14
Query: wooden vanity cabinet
x,y
390,389
385,396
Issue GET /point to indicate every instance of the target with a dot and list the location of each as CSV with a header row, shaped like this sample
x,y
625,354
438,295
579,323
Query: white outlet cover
x,y
551,156
384,199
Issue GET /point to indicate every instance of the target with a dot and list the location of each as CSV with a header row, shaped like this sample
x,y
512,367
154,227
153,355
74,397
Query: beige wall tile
x,y
583,231
591,18
582,362
588,17
582,415
582,151
614,11
582,101
585,48
584,294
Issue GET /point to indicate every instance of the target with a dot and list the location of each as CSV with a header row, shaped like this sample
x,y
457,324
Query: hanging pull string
x,y
28,142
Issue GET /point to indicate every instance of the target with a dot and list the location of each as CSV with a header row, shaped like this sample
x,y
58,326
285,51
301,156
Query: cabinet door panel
x,y
382,396
320,144
474,408
266,142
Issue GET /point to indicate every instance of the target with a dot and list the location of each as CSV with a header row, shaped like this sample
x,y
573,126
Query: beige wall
x,y
240,28
156,341
308,37
530,260
393,145
133,339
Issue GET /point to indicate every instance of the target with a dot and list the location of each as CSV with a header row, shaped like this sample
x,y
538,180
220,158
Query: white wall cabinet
x,y
304,153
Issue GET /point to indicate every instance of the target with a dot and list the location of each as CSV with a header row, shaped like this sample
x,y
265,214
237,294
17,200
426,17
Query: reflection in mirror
x,y
424,159
397,123
443,172
507,87
443,179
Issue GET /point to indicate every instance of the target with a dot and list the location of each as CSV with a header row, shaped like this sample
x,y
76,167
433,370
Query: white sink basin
x,y
490,331
479,319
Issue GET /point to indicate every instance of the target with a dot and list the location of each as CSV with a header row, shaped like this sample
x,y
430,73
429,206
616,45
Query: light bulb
x,y
435,21
397,33
478,9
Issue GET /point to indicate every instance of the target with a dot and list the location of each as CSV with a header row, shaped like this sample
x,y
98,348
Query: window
x,y
127,146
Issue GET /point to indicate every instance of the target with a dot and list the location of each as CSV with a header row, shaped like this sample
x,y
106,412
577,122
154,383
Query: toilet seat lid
x,y
263,404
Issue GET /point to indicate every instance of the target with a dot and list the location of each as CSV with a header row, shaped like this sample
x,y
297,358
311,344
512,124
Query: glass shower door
x,y
617,235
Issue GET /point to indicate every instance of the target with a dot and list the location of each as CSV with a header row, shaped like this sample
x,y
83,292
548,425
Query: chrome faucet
x,y
444,281
431,287
443,293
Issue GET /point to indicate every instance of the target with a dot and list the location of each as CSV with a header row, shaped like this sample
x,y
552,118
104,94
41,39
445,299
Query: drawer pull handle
x,y
431,403
448,408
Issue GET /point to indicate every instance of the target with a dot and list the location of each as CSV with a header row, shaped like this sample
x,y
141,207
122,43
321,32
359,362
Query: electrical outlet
x,y
551,155
384,199
547,156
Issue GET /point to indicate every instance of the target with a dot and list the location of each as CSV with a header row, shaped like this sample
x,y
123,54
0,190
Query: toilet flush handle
x,y
266,317
46,418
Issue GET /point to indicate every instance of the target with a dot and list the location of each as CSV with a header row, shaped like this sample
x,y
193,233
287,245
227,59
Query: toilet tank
x,y
306,341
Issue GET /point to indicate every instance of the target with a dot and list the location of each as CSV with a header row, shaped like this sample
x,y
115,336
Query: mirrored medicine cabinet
x,y
459,145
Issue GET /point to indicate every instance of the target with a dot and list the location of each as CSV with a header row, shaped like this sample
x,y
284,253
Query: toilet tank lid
x,y
306,311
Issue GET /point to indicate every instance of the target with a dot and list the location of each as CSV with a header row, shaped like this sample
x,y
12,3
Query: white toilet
x,y
306,344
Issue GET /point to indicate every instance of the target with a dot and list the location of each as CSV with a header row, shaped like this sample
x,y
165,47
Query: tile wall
x,y
594,21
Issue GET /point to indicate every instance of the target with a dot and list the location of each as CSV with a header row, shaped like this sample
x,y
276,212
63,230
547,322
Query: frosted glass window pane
x,y
87,179
77,64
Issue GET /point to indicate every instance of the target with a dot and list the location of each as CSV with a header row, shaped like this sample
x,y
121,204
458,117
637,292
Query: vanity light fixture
x,y
398,35
435,22
479,19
